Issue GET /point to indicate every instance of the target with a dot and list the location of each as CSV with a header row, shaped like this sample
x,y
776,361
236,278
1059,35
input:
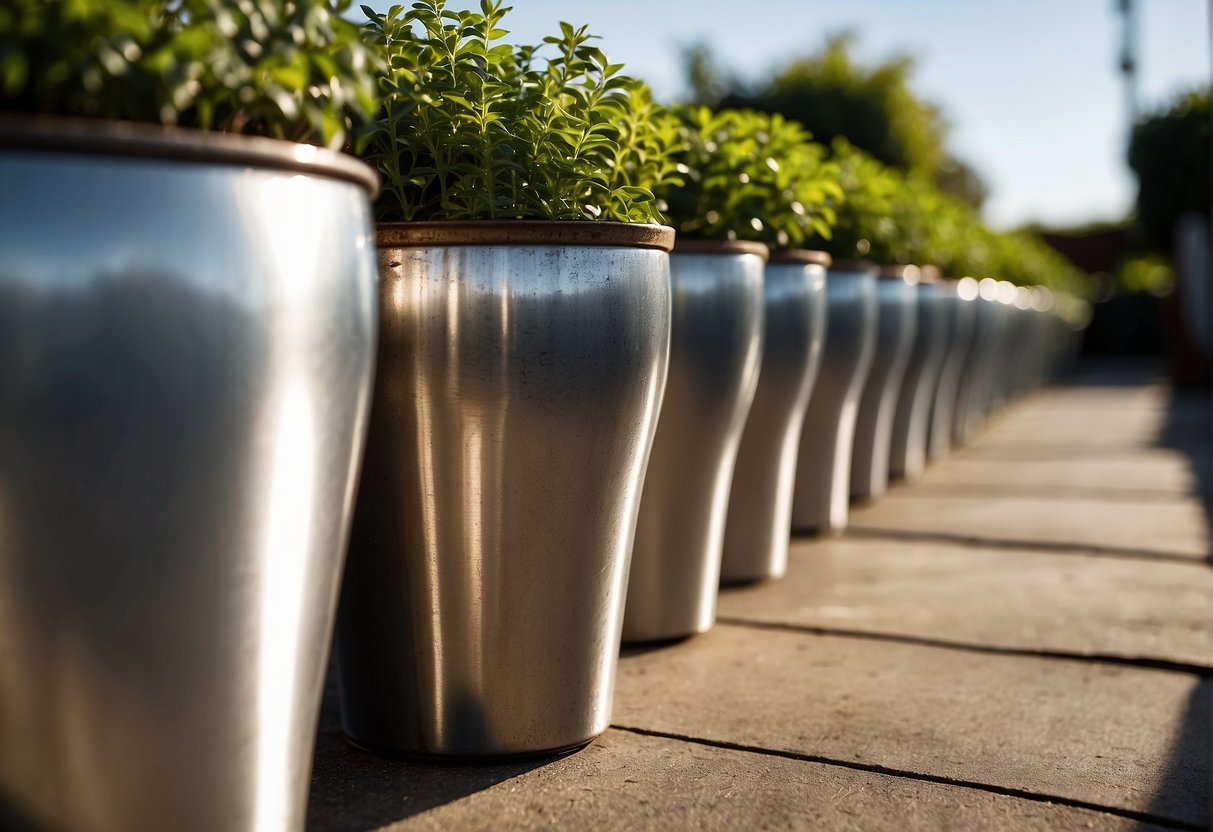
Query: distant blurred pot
x,y
896,324
715,347
521,368
760,505
187,334
978,367
823,465
911,420
959,299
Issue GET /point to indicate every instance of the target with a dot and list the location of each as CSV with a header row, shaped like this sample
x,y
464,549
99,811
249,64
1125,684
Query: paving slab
x,y
1147,528
1163,472
990,598
628,781
1115,736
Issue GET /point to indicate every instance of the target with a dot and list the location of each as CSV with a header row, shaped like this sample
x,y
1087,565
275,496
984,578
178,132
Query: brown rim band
x,y
910,274
851,265
929,274
691,245
524,232
124,138
802,256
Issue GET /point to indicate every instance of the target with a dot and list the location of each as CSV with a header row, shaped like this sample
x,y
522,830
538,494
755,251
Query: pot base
x,y
442,759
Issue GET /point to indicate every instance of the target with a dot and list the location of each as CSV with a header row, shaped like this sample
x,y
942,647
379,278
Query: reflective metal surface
x,y
896,323
760,502
186,354
515,403
823,464
715,348
908,441
959,302
975,373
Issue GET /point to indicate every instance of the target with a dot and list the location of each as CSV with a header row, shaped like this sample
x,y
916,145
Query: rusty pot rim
x,y
429,233
805,256
854,265
108,137
693,245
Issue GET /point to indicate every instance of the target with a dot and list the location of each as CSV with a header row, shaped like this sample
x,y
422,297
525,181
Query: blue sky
x,y
1030,87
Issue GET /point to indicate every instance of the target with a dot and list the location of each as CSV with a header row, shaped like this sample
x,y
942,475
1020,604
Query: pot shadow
x,y
1189,430
1184,792
353,790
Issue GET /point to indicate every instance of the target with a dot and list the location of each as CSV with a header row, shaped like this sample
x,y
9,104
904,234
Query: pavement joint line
x,y
876,768
1087,549
1063,492
1140,662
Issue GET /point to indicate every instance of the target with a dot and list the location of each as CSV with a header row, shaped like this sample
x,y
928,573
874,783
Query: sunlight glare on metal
x,y
1005,292
966,288
988,288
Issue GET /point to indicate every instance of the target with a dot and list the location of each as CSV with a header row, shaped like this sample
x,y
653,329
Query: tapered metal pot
x,y
896,324
760,502
978,367
521,369
186,353
715,348
823,463
959,303
911,419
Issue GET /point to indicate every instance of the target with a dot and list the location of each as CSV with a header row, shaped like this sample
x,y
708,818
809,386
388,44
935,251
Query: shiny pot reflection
x,y
823,465
958,301
896,323
908,440
974,375
760,501
715,348
186,349
516,398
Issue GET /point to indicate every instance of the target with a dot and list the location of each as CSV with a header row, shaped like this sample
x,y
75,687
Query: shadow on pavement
x,y
1189,431
1184,792
355,790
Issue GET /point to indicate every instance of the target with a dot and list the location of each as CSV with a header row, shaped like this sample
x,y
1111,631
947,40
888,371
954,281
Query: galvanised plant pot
x,y
911,420
896,324
823,464
978,367
760,502
715,348
187,333
521,369
958,298
993,385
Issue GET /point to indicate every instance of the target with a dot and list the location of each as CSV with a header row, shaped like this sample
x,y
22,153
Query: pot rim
x,y
803,256
854,265
434,233
109,137
694,245
906,272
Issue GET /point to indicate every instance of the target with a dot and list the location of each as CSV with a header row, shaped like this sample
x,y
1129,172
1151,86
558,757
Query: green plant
x,y
475,128
1170,152
291,69
748,176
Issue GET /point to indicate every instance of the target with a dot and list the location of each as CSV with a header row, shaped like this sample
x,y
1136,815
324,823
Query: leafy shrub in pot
x,y
523,352
186,348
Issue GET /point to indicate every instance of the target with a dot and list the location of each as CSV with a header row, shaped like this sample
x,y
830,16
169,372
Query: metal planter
x,y
975,374
521,369
760,502
186,352
715,348
911,420
958,300
896,324
823,464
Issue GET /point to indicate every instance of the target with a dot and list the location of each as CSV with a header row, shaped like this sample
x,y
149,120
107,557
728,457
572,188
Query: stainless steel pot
x,y
521,369
978,366
760,502
715,348
959,300
896,323
908,441
823,464
186,351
